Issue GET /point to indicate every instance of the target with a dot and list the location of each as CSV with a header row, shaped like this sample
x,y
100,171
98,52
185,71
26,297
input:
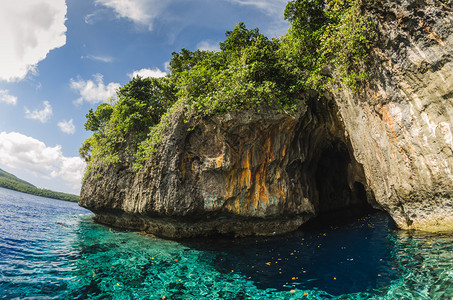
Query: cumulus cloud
x,y
67,126
5,97
94,91
29,29
208,45
141,12
26,153
42,115
144,73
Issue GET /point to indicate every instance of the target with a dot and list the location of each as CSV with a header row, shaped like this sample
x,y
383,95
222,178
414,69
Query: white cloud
x,y
67,126
167,66
270,7
42,115
145,73
26,153
5,97
94,91
106,59
141,12
275,9
29,29
146,13
208,45
89,19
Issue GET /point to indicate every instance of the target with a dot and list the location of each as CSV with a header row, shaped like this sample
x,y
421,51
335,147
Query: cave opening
x,y
339,197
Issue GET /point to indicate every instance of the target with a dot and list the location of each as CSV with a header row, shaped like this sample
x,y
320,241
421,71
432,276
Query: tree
x,y
142,102
97,119
329,32
239,38
306,16
186,60
120,126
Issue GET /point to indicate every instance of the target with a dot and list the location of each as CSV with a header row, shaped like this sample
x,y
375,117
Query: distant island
x,y
9,181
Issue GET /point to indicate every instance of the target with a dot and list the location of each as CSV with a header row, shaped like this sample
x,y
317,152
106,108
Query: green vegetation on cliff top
x,y
9,181
250,71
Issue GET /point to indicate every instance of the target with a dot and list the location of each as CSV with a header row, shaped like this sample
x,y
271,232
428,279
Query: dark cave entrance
x,y
340,198
323,169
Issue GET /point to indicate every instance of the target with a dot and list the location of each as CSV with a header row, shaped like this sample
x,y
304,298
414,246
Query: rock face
x,y
388,145
241,173
400,124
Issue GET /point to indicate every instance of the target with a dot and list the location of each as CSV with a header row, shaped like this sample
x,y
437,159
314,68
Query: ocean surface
x,y
51,249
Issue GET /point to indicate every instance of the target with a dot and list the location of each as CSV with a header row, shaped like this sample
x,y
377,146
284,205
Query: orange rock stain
x,y
245,189
247,184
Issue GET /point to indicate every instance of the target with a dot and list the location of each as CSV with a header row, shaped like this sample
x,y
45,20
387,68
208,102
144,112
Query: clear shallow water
x,y
52,249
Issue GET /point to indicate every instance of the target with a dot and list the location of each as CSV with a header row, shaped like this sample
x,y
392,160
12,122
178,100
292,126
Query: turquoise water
x,y
51,249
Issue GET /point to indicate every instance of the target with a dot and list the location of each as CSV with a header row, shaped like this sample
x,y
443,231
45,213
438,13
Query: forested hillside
x,y
9,181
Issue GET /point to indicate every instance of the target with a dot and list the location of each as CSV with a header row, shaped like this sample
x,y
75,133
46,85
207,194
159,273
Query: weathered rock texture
x,y
241,173
389,145
400,124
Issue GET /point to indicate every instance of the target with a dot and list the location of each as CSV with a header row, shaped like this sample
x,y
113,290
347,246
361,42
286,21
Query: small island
x,y
9,181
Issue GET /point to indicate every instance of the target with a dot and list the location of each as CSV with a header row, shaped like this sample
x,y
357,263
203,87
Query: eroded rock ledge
x,y
242,173
388,145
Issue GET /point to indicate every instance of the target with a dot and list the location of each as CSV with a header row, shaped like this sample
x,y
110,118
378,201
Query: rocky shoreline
x,y
387,145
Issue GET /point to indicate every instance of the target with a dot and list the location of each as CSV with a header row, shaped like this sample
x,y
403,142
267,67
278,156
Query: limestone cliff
x,y
389,144
400,123
241,173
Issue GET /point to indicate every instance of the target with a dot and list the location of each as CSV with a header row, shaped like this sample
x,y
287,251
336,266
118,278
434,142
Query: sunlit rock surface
x,y
400,124
388,145
241,173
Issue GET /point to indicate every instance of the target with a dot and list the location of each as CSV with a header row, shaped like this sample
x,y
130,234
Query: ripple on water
x,y
61,253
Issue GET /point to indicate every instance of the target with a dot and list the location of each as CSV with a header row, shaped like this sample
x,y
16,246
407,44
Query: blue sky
x,y
60,58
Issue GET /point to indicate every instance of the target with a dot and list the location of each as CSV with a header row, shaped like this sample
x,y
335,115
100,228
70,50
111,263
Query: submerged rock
x,y
388,145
